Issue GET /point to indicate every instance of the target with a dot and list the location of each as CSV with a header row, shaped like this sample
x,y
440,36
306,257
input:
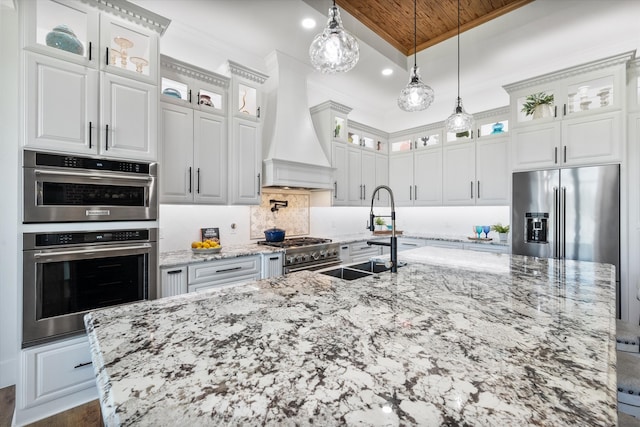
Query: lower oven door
x,y
62,284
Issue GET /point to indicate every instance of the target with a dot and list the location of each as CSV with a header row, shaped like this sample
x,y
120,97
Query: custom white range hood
x,y
294,157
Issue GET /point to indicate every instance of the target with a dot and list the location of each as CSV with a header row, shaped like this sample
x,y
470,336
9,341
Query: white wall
x,y
181,224
452,222
9,213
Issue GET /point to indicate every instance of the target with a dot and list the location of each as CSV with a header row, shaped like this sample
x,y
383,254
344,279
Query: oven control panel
x,y
39,240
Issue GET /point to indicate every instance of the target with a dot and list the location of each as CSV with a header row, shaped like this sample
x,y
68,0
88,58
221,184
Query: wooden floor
x,y
87,415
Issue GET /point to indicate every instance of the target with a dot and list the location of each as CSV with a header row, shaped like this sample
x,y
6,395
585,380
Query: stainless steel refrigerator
x,y
571,213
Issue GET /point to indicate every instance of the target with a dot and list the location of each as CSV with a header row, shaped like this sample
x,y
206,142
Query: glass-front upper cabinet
x,y
417,141
189,85
538,105
339,128
467,135
590,95
127,50
64,29
492,123
77,32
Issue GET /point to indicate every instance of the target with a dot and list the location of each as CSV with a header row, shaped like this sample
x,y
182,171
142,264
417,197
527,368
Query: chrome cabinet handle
x,y
563,209
85,251
556,233
94,175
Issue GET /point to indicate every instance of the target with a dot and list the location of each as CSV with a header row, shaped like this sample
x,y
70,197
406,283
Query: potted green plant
x,y
538,105
502,230
380,223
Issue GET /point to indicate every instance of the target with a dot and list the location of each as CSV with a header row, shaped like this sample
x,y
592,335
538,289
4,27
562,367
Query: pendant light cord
x,y
457,101
415,32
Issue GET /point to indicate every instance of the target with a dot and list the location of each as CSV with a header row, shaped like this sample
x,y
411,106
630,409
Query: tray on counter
x,y
386,232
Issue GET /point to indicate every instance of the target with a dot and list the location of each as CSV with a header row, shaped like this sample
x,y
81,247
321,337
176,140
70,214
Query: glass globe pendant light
x,y
416,96
460,120
334,50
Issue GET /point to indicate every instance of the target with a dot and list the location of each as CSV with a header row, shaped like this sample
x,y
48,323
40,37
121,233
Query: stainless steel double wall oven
x,y
78,258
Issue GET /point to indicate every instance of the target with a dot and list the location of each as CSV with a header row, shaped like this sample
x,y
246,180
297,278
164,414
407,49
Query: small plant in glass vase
x,y
380,223
538,105
502,230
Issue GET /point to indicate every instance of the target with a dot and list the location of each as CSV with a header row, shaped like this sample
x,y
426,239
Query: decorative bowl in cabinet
x,y
63,37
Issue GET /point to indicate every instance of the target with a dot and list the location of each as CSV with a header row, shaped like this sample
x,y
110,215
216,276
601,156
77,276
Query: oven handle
x,y
85,251
92,175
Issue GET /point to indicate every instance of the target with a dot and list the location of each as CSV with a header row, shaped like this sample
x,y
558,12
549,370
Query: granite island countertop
x,y
454,338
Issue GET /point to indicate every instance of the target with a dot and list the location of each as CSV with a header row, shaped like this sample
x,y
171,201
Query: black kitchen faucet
x,y
393,244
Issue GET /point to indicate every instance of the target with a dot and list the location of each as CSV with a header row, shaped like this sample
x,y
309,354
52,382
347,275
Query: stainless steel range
x,y
307,253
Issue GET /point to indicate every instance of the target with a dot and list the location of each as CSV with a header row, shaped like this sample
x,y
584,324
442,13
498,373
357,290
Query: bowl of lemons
x,y
209,246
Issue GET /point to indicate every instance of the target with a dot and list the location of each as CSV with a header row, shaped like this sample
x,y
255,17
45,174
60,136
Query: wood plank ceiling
x,y
437,19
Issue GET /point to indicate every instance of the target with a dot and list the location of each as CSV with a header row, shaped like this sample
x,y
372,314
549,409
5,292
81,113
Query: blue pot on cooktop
x,y
63,37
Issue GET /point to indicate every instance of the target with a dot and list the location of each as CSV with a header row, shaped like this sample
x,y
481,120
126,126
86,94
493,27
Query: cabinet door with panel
x,y
382,178
354,173
176,174
173,281
209,158
592,139
339,162
493,173
50,82
367,175
246,163
427,177
127,110
401,178
459,161
535,146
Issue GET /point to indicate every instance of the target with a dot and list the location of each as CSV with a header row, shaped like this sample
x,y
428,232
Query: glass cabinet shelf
x,y
497,128
590,95
174,89
65,28
536,106
128,49
339,128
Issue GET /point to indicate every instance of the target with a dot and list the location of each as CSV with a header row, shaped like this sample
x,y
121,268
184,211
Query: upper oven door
x,y
59,195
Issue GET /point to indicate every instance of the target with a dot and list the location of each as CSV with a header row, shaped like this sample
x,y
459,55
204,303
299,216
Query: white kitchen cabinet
x,y
54,376
272,265
339,162
407,243
193,155
479,247
582,124
381,178
245,139
444,244
173,281
416,177
110,109
361,252
223,273
193,148
361,171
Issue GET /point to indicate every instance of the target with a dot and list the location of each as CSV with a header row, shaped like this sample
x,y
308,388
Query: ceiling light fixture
x,y
416,96
308,23
460,120
334,49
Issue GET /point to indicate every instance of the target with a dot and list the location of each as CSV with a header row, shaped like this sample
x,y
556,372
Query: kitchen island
x,y
454,338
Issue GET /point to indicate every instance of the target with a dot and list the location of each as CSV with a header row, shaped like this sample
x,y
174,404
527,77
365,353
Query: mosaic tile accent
x,y
294,219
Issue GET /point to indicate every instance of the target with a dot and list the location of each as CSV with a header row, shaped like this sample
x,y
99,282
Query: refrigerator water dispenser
x,y
536,227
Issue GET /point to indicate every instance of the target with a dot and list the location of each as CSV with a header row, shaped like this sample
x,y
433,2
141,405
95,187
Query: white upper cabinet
x,y
193,142
570,117
102,65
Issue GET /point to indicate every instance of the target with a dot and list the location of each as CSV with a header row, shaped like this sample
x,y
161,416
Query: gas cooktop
x,y
296,242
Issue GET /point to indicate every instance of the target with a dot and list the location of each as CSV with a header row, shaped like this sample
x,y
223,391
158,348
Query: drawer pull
x,y
228,269
80,365
275,258
174,272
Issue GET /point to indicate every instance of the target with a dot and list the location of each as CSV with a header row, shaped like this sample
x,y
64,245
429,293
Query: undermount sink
x,y
370,266
346,273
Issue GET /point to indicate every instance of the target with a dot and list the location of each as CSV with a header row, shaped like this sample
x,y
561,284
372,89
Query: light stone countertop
x,y
454,338
186,256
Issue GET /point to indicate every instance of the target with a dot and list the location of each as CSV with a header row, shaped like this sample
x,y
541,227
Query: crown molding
x,y
177,66
600,64
331,105
132,13
246,72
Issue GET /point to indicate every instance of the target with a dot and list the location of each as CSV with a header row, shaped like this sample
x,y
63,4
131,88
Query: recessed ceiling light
x,y
387,72
308,23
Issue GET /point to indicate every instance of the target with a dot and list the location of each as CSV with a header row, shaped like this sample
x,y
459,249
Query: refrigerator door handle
x,y
556,223
563,207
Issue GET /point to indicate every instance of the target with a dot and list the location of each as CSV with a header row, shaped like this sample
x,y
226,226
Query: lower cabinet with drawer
x,y
55,377
223,273
406,243
360,251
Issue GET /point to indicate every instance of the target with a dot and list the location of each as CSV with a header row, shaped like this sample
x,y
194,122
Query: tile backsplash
x,y
294,218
